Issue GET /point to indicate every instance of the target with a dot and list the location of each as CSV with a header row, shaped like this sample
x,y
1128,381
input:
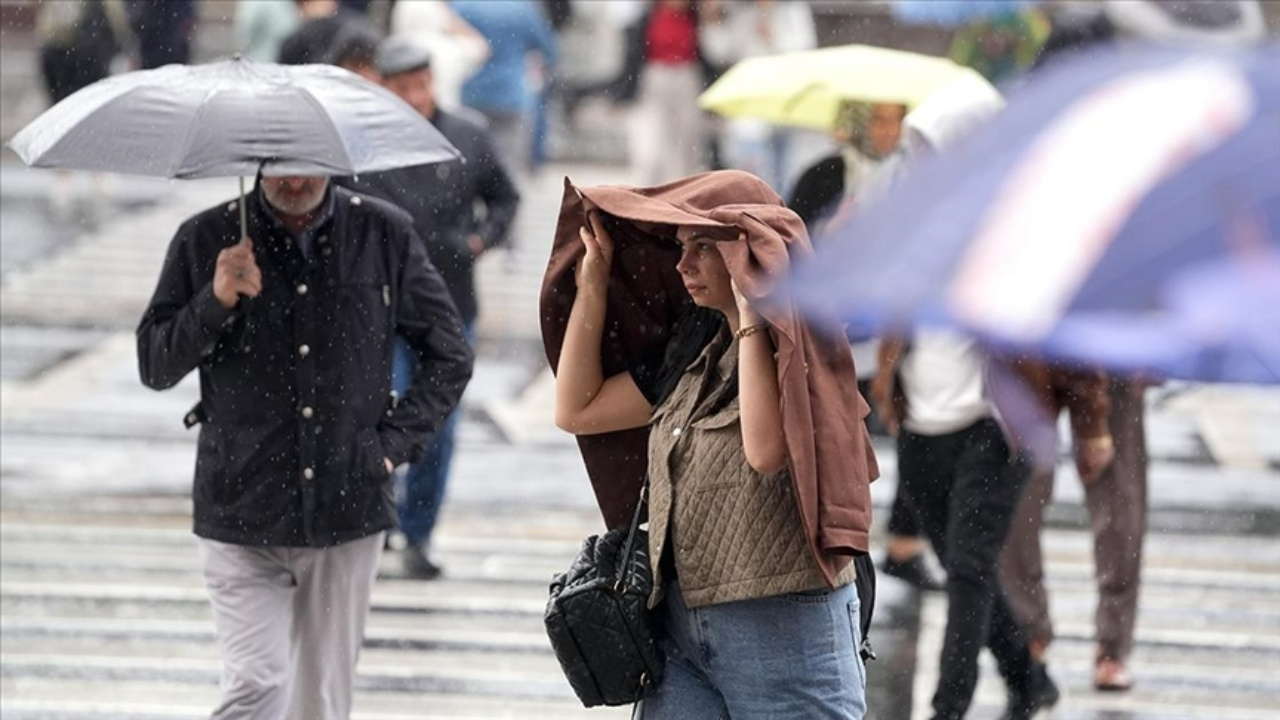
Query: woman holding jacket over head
x,y
746,424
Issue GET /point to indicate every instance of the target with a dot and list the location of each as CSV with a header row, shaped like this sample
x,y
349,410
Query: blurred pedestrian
x,y
1001,47
751,417
522,44
263,25
866,134
290,328
663,74
959,471
1116,496
164,29
457,49
324,34
752,28
78,41
460,210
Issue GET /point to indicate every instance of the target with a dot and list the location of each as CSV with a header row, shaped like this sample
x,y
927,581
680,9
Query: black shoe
x,y
913,571
1044,695
417,566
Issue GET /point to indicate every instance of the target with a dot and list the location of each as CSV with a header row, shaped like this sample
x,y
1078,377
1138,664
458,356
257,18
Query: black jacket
x,y
451,200
295,398
819,188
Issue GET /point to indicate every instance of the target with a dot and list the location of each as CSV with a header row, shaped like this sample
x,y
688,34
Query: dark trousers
x,y
964,487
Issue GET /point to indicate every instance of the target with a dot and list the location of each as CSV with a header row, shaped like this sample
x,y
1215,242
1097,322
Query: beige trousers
x,y
290,624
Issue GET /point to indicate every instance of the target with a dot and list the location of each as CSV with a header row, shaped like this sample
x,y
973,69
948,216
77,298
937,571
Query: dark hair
x,y
694,330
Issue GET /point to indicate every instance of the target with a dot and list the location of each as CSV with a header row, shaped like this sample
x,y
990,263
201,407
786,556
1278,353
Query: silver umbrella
x,y
229,118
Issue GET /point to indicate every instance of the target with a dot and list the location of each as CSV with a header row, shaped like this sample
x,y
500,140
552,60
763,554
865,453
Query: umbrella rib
x,y
333,128
184,147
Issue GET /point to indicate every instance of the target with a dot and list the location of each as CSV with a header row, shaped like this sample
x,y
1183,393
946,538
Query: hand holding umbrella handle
x,y
237,274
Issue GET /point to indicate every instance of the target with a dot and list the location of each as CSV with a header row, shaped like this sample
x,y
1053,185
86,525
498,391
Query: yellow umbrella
x,y
807,88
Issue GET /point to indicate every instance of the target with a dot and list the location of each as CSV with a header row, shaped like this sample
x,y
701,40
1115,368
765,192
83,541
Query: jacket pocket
x,y
369,462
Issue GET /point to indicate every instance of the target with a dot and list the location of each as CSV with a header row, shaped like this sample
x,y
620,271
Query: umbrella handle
x,y
244,217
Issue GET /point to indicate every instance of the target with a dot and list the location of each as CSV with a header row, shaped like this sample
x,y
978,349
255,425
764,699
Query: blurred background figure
x,y
457,49
78,39
734,31
262,25
323,36
164,29
522,46
1117,497
865,135
460,211
663,74
1002,46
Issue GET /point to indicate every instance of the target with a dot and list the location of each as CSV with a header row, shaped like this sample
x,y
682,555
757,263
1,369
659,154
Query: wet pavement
x,y
104,615
102,610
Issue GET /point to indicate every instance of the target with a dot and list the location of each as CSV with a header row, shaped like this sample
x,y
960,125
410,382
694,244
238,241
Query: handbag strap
x,y
642,506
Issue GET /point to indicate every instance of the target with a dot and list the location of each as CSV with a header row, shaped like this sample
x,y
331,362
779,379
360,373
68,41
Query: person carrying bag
x,y
673,364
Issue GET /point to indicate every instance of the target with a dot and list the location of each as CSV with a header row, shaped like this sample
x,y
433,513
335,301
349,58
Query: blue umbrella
x,y
1123,210
954,13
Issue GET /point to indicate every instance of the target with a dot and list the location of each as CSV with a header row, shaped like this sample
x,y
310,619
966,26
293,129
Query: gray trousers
x,y
1117,504
290,624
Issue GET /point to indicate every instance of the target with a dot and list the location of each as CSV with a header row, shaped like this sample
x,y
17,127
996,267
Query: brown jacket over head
x,y
832,462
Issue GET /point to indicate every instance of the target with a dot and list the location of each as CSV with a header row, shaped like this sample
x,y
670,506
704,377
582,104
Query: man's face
x,y
884,128
415,88
295,195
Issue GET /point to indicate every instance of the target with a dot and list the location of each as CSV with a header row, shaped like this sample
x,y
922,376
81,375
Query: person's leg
x,y
787,656
424,489
1118,505
983,498
331,606
646,128
1022,562
251,591
424,486
685,692
904,553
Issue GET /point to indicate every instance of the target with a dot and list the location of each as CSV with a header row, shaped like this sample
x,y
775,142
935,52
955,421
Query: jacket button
x,y
302,289
307,412
191,418
326,251
304,350
676,432
308,473
322,239
355,200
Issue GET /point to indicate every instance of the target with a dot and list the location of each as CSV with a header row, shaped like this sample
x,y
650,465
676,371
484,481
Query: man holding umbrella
x,y
290,327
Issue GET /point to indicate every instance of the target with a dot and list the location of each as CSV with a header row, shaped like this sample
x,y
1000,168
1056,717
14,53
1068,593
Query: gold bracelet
x,y
750,330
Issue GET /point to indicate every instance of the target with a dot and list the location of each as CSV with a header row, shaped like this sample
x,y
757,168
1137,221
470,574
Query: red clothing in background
x,y
672,37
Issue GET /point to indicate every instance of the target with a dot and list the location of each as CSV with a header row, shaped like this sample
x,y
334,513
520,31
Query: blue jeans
x,y
419,505
787,656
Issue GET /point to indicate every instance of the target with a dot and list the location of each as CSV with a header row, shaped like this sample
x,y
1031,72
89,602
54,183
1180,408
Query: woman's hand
x,y
593,269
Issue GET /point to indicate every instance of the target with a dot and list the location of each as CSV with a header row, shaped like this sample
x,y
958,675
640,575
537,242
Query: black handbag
x,y
598,618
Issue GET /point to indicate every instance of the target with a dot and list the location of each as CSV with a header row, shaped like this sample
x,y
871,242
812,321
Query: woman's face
x,y
702,269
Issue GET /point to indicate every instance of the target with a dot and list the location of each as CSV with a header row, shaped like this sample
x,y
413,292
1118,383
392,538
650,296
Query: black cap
x,y
398,54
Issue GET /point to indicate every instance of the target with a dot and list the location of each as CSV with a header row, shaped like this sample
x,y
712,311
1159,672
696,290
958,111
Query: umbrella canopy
x,y
807,88
1123,210
234,117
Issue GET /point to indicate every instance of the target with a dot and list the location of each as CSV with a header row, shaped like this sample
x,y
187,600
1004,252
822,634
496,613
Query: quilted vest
x,y
735,534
